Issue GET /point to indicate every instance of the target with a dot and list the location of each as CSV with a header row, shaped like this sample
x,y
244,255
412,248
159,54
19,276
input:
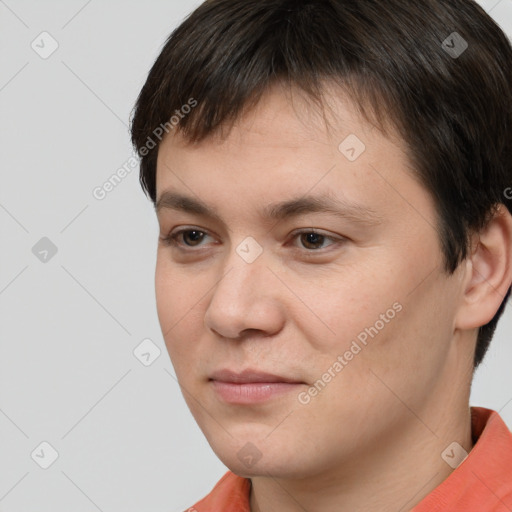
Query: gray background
x,y
69,325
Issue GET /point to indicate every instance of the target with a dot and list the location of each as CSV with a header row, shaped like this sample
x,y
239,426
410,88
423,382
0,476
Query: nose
x,y
245,300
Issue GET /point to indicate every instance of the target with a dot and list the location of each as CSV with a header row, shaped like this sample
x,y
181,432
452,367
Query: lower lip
x,y
252,392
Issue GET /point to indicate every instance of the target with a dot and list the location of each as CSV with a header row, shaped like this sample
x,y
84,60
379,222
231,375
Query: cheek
x,y
176,293
178,312
166,299
401,357
347,304
374,316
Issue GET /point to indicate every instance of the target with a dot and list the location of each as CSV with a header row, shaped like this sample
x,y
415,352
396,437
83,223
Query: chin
x,y
249,457
295,470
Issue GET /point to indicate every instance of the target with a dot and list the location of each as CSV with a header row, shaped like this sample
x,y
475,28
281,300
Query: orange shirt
x,y
481,483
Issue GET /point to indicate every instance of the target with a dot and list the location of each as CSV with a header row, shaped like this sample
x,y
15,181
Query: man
x,y
330,179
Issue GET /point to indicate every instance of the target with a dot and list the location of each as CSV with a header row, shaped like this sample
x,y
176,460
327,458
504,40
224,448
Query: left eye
x,y
310,239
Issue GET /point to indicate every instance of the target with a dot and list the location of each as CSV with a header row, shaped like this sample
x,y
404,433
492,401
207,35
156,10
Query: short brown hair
x,y
440,71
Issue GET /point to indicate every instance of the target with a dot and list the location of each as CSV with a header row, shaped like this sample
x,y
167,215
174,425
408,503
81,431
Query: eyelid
x,y
318,231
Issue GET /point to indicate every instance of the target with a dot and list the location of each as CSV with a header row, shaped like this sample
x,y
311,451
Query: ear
x,y
488,272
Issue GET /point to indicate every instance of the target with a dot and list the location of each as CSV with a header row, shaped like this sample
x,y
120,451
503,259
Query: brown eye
x,y
193,234
311,240
185,238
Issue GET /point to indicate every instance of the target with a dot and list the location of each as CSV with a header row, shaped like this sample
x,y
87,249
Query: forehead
x,y
287,116
285,145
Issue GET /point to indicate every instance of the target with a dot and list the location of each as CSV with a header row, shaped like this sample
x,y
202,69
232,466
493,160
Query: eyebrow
x,y
323,203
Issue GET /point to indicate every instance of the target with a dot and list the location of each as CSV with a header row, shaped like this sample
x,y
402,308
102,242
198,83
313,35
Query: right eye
x,y
195,236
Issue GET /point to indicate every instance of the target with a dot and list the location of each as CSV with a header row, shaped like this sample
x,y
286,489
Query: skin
x,y
372,438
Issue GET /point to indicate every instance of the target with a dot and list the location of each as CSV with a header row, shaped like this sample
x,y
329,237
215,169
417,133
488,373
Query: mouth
x,y
251,386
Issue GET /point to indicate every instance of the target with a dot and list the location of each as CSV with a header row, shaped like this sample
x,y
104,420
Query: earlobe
x,y
488,272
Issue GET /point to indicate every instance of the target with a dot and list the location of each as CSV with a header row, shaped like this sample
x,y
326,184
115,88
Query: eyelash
x,y
171,239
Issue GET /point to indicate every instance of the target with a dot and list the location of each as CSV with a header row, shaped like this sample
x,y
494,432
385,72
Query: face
x,y
349,304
